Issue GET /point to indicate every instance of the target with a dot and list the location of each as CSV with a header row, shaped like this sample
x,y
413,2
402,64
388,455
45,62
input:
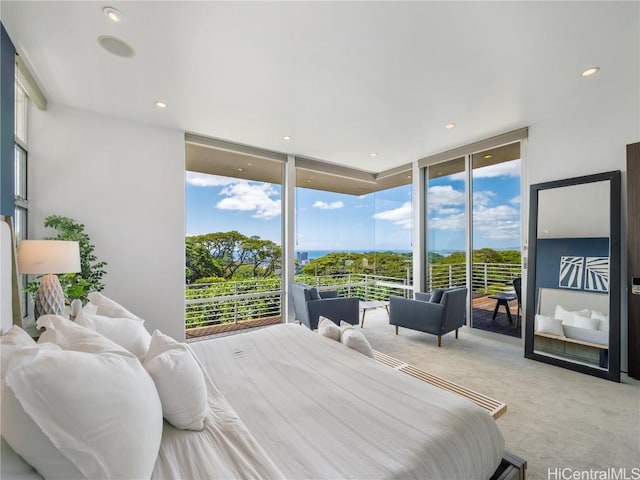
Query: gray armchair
x,y
429,313
309,304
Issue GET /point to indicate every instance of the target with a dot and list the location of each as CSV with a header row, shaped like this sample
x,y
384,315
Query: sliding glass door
x,y
473,233
446,225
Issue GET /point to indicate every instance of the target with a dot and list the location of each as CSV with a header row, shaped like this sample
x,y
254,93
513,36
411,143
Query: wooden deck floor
x,y
483,312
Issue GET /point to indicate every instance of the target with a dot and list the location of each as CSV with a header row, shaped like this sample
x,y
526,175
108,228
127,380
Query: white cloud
x,y
328,206
248,196
504,169
399,216
443,195
449,211
447,222
198,179
515,200
483,197
498,223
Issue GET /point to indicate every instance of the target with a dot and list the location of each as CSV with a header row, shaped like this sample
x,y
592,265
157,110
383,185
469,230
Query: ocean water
x,y
321,253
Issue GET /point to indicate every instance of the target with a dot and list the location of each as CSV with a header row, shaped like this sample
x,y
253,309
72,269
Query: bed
x,y
286,402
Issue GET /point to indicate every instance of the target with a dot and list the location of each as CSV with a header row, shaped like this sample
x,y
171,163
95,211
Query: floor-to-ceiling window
x,y
21,152
233,242
446,225
474,228
354,241
496,232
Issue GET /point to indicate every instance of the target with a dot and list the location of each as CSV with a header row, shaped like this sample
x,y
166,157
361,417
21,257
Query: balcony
x,y
216,308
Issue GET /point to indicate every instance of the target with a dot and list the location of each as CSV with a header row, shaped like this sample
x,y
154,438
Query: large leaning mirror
x,y
573,283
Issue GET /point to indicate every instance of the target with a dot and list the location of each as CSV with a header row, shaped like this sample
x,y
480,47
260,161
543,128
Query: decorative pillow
x,y
604,320
436,295
356,340
15,340
584,322
549,325
70,336
125,331
314,294
344,326
73,414
328,328
179,380
567,316
109,308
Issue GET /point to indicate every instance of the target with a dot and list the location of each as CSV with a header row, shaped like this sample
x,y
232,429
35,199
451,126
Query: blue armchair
x,y
309,304
429,313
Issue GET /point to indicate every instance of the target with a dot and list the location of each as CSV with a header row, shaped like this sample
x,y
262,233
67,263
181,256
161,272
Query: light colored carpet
x,y
556,418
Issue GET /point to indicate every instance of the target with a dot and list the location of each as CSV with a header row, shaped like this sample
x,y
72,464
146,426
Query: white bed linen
x,y
224,449
320,410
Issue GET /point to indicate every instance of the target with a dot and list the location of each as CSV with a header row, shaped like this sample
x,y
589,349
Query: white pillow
x,y
356,340
15,340
107,307
567,316
69,335
179,381
585,322
125,331
344,326
328,328
604,320
545,324
73,414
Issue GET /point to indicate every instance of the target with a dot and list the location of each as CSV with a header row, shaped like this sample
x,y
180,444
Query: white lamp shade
x,y
48,256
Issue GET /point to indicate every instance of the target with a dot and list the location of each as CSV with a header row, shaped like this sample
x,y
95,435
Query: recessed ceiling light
x,y
112,14
116,46
488,156
249,164
160,104
450,125
286,137
373,154
308,180
240,169
590,71
408,177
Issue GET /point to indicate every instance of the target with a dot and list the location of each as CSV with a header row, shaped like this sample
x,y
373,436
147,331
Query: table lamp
x,y
49,257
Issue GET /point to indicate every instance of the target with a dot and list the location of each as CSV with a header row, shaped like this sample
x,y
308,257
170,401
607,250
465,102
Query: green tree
x,y
199,262
233,251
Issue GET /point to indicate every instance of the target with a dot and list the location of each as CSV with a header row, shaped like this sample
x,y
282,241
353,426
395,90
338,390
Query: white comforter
x,y
316,409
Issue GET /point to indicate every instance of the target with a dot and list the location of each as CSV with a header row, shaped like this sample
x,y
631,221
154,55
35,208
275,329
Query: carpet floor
x,y
555,419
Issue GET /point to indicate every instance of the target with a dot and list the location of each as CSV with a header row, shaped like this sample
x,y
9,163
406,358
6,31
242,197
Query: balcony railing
x,y
234,301
487,278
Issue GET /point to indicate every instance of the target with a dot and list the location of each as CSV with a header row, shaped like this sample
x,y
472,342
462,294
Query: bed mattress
x,y
317,409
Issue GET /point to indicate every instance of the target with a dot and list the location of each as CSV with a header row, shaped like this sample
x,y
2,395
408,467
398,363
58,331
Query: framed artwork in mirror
x,y
573,287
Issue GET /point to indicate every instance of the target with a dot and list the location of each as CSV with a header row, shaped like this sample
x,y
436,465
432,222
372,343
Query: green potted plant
x,y
75,285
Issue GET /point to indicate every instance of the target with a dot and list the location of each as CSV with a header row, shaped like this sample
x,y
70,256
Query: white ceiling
x,y
344,79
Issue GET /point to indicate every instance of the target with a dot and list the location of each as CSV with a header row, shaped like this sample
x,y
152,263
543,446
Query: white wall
x,y
589,139
125,182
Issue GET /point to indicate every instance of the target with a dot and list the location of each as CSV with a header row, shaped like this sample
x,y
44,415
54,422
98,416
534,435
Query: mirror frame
x,y
613,372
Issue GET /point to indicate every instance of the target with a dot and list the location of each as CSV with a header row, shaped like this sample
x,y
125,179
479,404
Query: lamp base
x,y
49,298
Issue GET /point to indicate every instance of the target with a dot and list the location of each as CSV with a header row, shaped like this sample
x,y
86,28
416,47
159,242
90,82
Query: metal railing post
x,y
486,284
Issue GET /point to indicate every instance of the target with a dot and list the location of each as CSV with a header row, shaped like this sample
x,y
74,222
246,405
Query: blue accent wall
x,y
7,86
550,250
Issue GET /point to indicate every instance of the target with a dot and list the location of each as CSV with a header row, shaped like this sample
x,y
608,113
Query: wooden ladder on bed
x,y
494,407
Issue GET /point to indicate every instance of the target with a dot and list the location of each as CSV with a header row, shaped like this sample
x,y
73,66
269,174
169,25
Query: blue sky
x,y
380,221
